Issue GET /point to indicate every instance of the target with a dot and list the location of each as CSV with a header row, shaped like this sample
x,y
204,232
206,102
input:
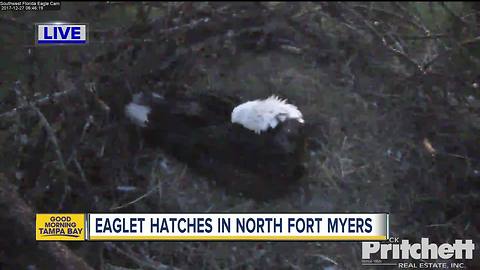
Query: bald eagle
x,y
255,148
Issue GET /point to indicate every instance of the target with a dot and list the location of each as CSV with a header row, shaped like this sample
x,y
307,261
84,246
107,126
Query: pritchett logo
x,y
404,250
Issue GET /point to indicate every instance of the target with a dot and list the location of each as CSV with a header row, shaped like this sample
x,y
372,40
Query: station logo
x,y
55,227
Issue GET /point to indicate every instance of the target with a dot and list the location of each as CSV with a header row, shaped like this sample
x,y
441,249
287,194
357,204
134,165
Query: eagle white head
x,y
260,115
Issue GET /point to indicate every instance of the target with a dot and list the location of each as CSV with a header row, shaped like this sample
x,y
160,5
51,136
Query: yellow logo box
x,y
60,227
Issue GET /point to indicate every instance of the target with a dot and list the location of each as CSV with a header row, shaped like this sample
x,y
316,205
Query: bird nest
x,y
387,132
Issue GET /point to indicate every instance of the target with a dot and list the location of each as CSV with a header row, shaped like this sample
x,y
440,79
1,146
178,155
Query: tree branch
x,y
16,209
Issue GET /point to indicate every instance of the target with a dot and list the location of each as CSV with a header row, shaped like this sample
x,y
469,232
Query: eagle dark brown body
x,y
197,130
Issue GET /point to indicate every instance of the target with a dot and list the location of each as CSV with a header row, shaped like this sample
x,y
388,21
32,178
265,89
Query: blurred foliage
x,y
390,93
